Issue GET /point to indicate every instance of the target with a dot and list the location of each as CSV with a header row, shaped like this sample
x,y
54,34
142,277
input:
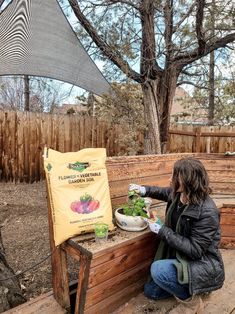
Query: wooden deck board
x,y
44,304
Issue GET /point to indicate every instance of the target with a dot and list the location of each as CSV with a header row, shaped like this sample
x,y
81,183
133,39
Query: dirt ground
x,y
23,216
23,220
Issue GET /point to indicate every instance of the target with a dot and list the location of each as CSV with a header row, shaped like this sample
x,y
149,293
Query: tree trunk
x,y
152,144
10,292
211,110
211,89
158,98
166,93
26,93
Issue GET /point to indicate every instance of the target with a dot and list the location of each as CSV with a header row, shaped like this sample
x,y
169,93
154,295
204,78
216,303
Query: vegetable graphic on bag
x,y
86,205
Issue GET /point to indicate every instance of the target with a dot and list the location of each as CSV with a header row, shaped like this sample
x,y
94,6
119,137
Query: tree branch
x,y
168,16
109,52
194,55
193,74
199,26
191,83
149,67
110,2
190,10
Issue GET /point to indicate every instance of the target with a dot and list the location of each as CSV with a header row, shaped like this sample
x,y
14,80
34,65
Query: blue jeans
x,y
164,283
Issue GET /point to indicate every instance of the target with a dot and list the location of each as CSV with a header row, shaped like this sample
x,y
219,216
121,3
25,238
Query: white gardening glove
x,y
139,189
154,226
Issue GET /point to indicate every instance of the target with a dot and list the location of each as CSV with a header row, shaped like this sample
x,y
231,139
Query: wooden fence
x,y
23,136
201,139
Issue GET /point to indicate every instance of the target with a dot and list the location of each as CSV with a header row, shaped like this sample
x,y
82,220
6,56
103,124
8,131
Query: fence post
x,y
197,140
208,145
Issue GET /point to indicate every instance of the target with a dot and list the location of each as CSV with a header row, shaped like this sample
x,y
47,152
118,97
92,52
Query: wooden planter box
x,y
227,222
111,276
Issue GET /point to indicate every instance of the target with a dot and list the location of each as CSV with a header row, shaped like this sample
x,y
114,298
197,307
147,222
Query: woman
x,y
188,261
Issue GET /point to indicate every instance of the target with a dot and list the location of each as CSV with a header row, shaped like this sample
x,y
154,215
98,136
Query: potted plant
x,y
130,216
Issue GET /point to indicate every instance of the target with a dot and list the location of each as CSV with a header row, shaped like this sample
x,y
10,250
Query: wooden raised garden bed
x,y
109,276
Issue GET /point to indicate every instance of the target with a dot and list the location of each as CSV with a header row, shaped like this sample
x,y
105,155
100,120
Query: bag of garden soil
x,y
78,190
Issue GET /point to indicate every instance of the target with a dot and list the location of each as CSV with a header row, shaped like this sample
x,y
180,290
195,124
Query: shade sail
x,y
36,39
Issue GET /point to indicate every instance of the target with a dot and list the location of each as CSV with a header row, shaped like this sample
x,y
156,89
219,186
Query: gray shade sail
x,y
36,39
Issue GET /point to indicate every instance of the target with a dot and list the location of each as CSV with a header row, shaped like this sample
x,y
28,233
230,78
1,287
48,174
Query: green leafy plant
x,y
135,206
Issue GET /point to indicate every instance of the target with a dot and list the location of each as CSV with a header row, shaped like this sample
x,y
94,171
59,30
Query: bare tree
x,y
170,36
31,93
26,93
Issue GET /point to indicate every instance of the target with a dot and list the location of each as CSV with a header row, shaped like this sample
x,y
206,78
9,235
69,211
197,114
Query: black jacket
x,y
195,241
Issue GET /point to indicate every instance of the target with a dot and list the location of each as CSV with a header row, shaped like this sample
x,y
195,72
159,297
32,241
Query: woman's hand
x,y
139,189
154,226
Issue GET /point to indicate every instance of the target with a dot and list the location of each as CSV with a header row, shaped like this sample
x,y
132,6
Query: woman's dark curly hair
x,y
194,179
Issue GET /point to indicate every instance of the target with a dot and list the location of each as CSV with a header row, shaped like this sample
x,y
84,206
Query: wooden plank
x,y
227,219
228,231
114,301
86,126
117,283
213,156
105,137
227,243
76,135
123,248
53,127
141,168
81,238
222,176
120,188
219,165
5,159
61,134
82,133
227,209
13,152
221,188
83,277
93,132
39,147
32,147
20,146
203,134
44,304
117,265
26,136
67,134
155,158
74,252
60,280
197,141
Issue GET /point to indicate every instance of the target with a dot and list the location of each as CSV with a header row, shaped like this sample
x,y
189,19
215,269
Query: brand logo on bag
x,y
79,166
49,167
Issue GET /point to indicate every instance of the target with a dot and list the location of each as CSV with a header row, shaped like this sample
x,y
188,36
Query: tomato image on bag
x,y
78,190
